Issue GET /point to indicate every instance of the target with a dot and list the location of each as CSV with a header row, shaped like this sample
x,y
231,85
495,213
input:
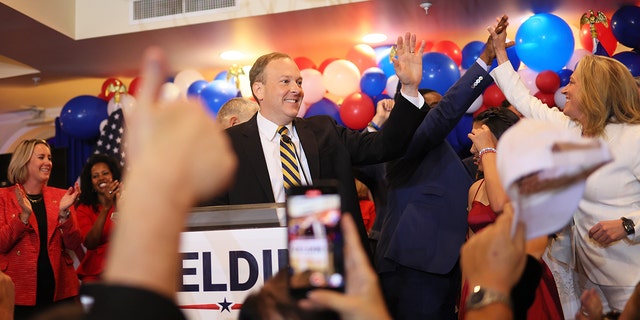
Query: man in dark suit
x,y
426,220
324,149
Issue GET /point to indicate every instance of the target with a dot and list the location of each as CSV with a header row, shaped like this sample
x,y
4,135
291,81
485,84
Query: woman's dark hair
x,y
497,119
88,196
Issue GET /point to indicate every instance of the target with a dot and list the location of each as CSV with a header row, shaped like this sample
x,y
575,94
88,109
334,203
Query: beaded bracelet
x,y
486,150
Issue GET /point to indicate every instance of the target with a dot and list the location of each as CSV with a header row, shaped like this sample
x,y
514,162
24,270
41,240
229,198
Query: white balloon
x,y
475,105
127,103
303,109
169,92
314,89
392,85
341,78
184,79
102,124
575,58
528,76
560,98
245,85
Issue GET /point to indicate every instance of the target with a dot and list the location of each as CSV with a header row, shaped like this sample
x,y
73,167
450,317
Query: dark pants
x,y
413,294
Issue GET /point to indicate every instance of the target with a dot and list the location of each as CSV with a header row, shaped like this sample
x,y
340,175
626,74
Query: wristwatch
x,y
629,226
481,297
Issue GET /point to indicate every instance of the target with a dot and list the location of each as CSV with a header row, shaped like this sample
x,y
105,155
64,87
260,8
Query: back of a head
x,y
497,119
273,301
241,108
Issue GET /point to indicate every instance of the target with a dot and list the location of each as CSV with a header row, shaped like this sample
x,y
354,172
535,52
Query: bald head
x,y
236,111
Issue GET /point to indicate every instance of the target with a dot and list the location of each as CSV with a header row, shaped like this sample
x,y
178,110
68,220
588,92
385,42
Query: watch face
x,y
476,296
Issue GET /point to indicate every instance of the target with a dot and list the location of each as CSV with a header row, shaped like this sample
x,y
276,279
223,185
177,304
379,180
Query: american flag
x,y
110,141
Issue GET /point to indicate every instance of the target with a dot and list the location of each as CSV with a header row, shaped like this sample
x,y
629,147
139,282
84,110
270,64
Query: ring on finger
x,y
110,191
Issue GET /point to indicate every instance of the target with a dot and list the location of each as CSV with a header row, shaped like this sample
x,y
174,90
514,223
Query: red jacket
x,y
92,265
20,245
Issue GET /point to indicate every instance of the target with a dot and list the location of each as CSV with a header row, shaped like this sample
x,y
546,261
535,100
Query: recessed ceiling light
x,y
374,38
232,55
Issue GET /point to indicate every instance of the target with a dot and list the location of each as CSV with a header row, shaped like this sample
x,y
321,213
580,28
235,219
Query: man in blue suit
x,y
426,220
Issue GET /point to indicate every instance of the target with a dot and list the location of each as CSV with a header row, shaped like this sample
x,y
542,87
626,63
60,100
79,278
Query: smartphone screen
x,y
314,239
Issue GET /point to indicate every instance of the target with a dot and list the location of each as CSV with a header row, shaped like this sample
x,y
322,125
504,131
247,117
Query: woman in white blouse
x,y
602,101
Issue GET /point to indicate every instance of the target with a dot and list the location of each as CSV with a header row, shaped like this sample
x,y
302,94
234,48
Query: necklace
x,y
34,198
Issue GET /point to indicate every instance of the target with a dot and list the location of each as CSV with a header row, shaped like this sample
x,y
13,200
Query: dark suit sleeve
x,y
388,143
123,303
445,115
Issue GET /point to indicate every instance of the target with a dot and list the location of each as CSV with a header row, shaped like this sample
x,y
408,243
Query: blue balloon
x,y
196,87
387,66
512,54
323,107
221,76
439,72
81,116
470,53
379,97
631,60
373,82
564,74
544,42
625,25
216,93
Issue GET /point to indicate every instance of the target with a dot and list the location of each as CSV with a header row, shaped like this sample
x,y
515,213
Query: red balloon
x,y
304,63
482,108
548,81
357,110
109,88
428,45
492,96
546,98
363,56
605,36
135,86
450,49
325,63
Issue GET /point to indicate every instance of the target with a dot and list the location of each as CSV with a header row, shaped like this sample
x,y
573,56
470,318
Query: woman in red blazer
x,y
100,186
33,217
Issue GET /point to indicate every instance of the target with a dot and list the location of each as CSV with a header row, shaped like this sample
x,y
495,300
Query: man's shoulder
x,y
242,128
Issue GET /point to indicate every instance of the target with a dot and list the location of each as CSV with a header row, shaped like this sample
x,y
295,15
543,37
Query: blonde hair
x,y
609,94
17,171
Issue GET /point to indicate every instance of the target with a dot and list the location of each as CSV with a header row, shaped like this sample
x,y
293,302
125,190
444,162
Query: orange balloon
x,y
363,56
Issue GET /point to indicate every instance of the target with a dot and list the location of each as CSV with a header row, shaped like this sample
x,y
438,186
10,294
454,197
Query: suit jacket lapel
x,y
310,146
252,149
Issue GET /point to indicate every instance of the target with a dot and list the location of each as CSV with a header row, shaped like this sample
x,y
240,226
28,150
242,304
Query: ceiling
x,y
66,68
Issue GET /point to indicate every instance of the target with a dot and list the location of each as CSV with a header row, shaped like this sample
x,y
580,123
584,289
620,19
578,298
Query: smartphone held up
x,y
315,240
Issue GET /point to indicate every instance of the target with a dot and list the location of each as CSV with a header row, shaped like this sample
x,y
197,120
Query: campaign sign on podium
x,y
227,253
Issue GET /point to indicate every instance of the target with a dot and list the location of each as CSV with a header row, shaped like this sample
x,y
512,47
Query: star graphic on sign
x,y
225,305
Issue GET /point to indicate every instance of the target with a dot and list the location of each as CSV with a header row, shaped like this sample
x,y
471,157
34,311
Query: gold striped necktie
x,y
290,173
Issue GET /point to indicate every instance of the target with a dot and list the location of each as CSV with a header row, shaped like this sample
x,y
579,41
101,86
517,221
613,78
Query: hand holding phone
x,y
314,239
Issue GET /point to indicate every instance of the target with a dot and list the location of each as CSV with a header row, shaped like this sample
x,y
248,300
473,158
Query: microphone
x,y
287,140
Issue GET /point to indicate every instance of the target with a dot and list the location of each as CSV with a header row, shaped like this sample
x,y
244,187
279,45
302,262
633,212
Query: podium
x,y
227,253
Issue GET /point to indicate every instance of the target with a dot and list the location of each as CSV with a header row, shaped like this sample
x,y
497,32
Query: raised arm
x,y
170,149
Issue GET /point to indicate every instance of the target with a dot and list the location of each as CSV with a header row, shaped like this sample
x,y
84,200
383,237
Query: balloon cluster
x,y
348,88
365,76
